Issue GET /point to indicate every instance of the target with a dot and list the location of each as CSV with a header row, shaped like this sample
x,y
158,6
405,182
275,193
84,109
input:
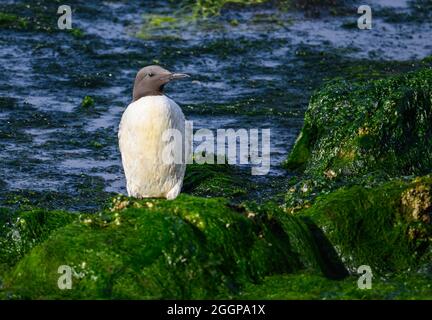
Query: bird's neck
x,y
138,94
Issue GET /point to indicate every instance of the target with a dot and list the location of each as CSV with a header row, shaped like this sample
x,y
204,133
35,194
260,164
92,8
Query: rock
x,y
352,129
20,232
359,145
309,286
211,180
417,201
186,248
386,227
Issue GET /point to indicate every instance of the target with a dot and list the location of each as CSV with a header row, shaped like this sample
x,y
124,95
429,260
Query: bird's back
x,y
141,145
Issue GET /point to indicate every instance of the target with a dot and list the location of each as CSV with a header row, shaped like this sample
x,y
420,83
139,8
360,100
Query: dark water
x,y
251,68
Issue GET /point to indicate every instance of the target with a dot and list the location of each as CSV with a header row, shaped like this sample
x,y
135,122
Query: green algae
x,y
11,21
186,248
216,180
21,231
27,16
205,8
152,23
301,153
89,196
160,20
87,102
77,33
354,128
311,286
337,150
200,13
387,227
38,16
225,185
358,152
359,222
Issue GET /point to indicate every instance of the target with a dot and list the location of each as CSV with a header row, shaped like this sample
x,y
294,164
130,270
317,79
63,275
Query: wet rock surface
x,y
151,249
355,128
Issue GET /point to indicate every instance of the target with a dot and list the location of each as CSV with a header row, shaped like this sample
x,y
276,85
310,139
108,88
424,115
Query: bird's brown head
x,y
150,81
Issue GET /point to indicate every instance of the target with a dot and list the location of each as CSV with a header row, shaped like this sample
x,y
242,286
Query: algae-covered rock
x,y
21,231
387,227
216,180
8,20
383,125
312,286
187,248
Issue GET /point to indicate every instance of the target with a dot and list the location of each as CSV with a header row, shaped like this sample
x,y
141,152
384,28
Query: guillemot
x,y
141,131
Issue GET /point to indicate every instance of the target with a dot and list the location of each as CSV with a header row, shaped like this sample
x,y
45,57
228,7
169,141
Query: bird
x,y
140,135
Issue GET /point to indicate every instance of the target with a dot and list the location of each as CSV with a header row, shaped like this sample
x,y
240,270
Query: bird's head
x,y
150,81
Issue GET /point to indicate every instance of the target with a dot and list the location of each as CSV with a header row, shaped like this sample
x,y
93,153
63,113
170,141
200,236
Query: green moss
x,y
21,231
161,20
153,23
29,16
87,102
8,20
216,180
356,128
186,248
301,152
77,33
310,286
205,8
213,7
89,196
386,227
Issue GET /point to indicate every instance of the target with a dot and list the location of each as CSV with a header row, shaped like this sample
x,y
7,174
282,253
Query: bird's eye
x,y
150,74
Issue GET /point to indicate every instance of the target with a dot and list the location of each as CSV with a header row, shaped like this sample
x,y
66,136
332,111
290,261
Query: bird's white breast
x,y
141,145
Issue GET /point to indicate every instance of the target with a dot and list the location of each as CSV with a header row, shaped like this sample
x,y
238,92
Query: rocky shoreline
x,y
363,196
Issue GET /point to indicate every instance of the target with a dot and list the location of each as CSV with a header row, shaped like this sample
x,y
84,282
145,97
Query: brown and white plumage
x,y
141,138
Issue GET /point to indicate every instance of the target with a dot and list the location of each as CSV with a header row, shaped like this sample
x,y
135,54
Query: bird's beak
x,y
176,76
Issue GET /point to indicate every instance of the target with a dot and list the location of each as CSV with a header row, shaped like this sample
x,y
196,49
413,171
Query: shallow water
x,y
250,69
